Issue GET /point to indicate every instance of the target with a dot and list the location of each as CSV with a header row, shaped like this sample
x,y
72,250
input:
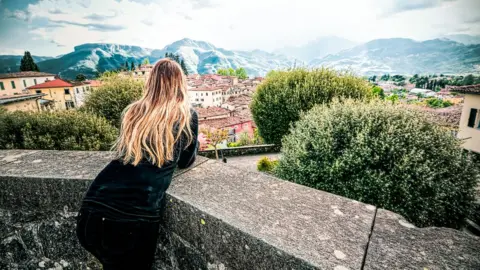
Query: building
x,y
206,96
59,94
22,102
16,83
424,92
469,129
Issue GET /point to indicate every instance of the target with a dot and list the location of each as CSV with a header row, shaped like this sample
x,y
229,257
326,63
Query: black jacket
x,y
139,190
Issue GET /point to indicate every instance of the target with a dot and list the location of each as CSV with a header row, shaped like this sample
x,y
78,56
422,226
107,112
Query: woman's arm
x,y
188,155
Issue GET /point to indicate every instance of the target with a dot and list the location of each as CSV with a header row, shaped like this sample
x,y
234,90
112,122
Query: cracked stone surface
x,y
397,244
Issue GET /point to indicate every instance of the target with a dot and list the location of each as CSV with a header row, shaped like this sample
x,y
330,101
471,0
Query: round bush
x,y
110,99
386,155
280,99
63,130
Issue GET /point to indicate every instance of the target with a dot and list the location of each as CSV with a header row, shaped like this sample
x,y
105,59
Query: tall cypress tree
x,y
132,66
27,63
184,67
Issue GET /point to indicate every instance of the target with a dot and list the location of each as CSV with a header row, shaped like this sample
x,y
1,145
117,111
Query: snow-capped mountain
x,y
406,56
200,57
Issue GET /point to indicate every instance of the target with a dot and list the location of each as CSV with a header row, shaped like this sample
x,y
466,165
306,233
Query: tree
x,y
127,66
111,99
378,153
80,77
241,73
393,98
215,136
132,66
231,72
468,80
176,58
378,92
27,63
222,72
146,61
385,77
184,67
280,99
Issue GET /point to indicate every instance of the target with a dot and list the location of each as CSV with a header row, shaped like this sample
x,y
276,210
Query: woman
x,y
119,219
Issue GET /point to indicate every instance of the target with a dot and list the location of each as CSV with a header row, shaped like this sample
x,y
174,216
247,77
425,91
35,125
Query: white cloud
x,y
247,24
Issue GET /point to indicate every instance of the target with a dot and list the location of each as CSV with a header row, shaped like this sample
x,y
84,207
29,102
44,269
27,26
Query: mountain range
x,y
455,54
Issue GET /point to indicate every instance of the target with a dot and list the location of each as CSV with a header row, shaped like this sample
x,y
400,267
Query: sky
x,y
54,27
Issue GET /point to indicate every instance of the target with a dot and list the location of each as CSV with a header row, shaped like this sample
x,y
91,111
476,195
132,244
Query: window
x,y
24,83
472,118
38,91
69,105
143,72
201,94
206,94
202,99
13,84
2,87
35,81
67,91
196,99
196,94
78,91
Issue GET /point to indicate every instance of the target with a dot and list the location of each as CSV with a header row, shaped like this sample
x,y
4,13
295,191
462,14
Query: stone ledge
x,y
218,217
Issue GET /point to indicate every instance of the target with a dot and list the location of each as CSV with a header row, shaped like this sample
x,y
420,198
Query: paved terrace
x,y
218,217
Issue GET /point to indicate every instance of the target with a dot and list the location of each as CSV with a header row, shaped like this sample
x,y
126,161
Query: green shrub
x,y
386,155
266,165
233,144
244,139
279,100
110,99
437,103
378,92
64,130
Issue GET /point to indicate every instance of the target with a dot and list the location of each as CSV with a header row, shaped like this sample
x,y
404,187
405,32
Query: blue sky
x,y
53,27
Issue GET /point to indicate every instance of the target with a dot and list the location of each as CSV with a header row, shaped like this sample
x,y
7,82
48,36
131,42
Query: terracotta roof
x,y
467,89
25,74
17,98
204,89
223,122
94,83
52,84
211,111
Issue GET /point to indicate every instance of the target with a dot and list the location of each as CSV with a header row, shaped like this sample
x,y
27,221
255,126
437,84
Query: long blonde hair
x,y
153,125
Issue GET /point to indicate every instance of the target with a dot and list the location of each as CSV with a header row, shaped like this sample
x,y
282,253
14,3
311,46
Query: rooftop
x,y
16,98
25,74
52,84
467,89
224,122
211,111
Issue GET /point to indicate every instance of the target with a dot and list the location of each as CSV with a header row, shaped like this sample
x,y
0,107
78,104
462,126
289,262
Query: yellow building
x,y
469,129
25,102
16,83
59,95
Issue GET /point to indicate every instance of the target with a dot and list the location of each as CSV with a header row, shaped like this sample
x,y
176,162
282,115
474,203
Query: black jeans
x,y
118,242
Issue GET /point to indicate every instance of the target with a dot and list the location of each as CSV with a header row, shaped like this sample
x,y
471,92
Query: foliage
x,y
80,77
176,58
267,165
27,63
62,130
393,98
146,61
214,137
112,97
241,73
437,103
234,144
378,153
132,66
385,77
257,139
280,99
244,139
378,92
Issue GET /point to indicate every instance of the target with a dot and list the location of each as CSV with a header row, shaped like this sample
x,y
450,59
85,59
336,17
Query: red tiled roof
x,y
204,89
94,83
58,83
467,89
223,122
211,111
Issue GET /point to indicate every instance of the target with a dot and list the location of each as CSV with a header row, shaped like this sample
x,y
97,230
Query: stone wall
x,y
217,217
242,151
